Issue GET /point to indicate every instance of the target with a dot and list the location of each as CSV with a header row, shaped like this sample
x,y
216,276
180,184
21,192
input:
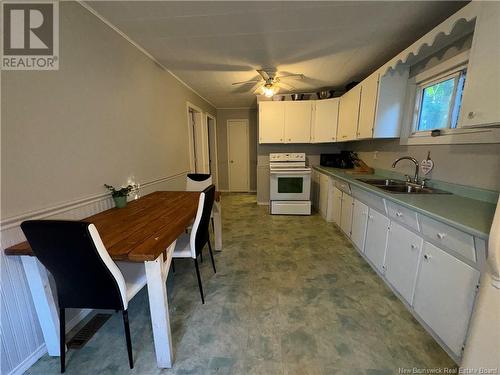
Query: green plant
x,y
122,192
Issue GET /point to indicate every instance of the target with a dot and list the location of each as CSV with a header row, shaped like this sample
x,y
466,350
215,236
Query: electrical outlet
x,y
375,155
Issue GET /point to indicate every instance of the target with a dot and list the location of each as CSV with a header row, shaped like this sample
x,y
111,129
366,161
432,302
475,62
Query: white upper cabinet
x,y
480,104
368,106
349,114
285,122
325,120
298,121
271,122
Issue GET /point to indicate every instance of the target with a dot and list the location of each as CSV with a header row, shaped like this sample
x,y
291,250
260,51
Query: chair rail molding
x,y
22,342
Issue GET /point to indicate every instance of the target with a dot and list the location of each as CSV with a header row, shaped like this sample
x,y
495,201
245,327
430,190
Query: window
x,y
438,102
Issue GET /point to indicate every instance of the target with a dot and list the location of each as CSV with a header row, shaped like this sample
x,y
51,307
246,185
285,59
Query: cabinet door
x,y
444,295
359,221
346,214
271,122
315,189
376,238
323,194
401,260
298,122
337,205
368,106
349,114
482,84
325,120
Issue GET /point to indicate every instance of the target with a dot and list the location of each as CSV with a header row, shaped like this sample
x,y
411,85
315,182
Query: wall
x,y
109,113
223,115
472,165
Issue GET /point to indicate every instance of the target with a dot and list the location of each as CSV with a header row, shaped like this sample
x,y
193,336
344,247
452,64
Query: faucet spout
x,y
415,161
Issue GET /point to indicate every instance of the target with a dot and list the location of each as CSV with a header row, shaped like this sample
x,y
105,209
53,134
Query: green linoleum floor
x,y
291,296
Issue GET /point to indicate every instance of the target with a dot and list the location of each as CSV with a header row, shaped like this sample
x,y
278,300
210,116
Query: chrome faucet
x,y
415,161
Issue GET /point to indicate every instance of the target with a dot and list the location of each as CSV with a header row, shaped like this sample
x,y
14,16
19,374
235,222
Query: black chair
x,y
190,245
85,274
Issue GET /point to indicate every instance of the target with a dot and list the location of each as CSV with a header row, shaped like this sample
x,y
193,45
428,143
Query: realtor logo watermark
x,y
30,35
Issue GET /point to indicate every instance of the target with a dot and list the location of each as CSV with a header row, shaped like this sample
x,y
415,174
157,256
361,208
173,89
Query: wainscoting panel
x,y
21,337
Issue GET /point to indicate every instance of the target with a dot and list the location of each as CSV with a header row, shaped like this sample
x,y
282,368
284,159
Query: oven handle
x,y
291,172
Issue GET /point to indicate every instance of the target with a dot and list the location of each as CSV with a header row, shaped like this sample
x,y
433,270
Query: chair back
x,y
199,232
198,181
73,252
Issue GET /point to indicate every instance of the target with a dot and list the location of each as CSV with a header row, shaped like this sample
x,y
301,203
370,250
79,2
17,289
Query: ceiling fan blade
x,y
264,74
286,86
245,82
297,76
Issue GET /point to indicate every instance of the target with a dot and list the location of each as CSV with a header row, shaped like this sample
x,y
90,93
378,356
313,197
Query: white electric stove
x,y
290,184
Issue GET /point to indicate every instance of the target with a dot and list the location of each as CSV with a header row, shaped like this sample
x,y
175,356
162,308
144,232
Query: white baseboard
x,y
263,203
29,361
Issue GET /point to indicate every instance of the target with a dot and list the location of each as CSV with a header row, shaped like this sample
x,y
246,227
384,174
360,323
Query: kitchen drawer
x,y
342,186
371,200
403,215
446,236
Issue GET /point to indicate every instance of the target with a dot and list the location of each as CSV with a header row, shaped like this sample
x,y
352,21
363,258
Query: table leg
x,y
45,302
156,275
217,226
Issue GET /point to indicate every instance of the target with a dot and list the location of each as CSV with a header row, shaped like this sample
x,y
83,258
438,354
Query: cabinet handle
x,y
344,136
413,246
289,139
370,217
440,235
399,214
427,257
471,115
281,139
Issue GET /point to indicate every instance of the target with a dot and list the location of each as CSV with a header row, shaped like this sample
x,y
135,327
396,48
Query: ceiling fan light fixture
x,y
269,90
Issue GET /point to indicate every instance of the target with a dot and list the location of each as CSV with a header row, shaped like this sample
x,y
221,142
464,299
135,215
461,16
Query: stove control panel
x,y
287,157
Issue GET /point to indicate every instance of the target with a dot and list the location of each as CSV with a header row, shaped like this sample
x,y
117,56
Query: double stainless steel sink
x,y
401,187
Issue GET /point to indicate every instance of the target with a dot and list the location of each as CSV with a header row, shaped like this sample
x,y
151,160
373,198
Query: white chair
x,y
190,245
198,181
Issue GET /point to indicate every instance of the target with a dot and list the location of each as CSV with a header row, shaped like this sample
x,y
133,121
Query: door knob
x,y
232,161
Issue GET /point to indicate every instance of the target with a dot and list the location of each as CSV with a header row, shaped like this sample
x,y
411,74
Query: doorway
x,y
238,155
212,149
198,140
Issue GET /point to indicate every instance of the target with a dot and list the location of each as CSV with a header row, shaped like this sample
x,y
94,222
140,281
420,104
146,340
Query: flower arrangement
x,y
122,192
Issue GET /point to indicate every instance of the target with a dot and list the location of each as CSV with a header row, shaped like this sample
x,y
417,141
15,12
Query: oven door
x,y
290,186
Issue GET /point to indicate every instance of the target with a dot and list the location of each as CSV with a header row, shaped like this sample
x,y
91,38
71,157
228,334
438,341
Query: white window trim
x,y
448,136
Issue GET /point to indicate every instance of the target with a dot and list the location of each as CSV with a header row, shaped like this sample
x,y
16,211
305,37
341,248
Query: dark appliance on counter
x,y
343,160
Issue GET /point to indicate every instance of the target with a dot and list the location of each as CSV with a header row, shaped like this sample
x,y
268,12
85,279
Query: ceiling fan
x,y
271,83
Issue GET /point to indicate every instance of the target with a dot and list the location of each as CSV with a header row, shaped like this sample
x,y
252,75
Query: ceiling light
x,y
269,90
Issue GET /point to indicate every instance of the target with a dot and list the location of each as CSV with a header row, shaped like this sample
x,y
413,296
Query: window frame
x,y
459,73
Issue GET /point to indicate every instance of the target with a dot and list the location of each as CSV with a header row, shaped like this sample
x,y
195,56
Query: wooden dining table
x,y
141,239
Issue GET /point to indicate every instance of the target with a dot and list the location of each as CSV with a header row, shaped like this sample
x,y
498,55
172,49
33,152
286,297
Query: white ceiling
x,y
211,44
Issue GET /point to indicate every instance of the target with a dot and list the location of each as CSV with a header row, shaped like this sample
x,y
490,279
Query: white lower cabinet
x,y
376,238
337,205
324,182
359,223
444,295
401,260
346,214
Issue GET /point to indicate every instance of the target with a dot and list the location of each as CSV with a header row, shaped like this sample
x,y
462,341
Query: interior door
x,y
401,260
271,122
238,155
376,238
298,122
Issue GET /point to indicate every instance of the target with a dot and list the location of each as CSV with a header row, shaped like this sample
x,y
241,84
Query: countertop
x,y
469,215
